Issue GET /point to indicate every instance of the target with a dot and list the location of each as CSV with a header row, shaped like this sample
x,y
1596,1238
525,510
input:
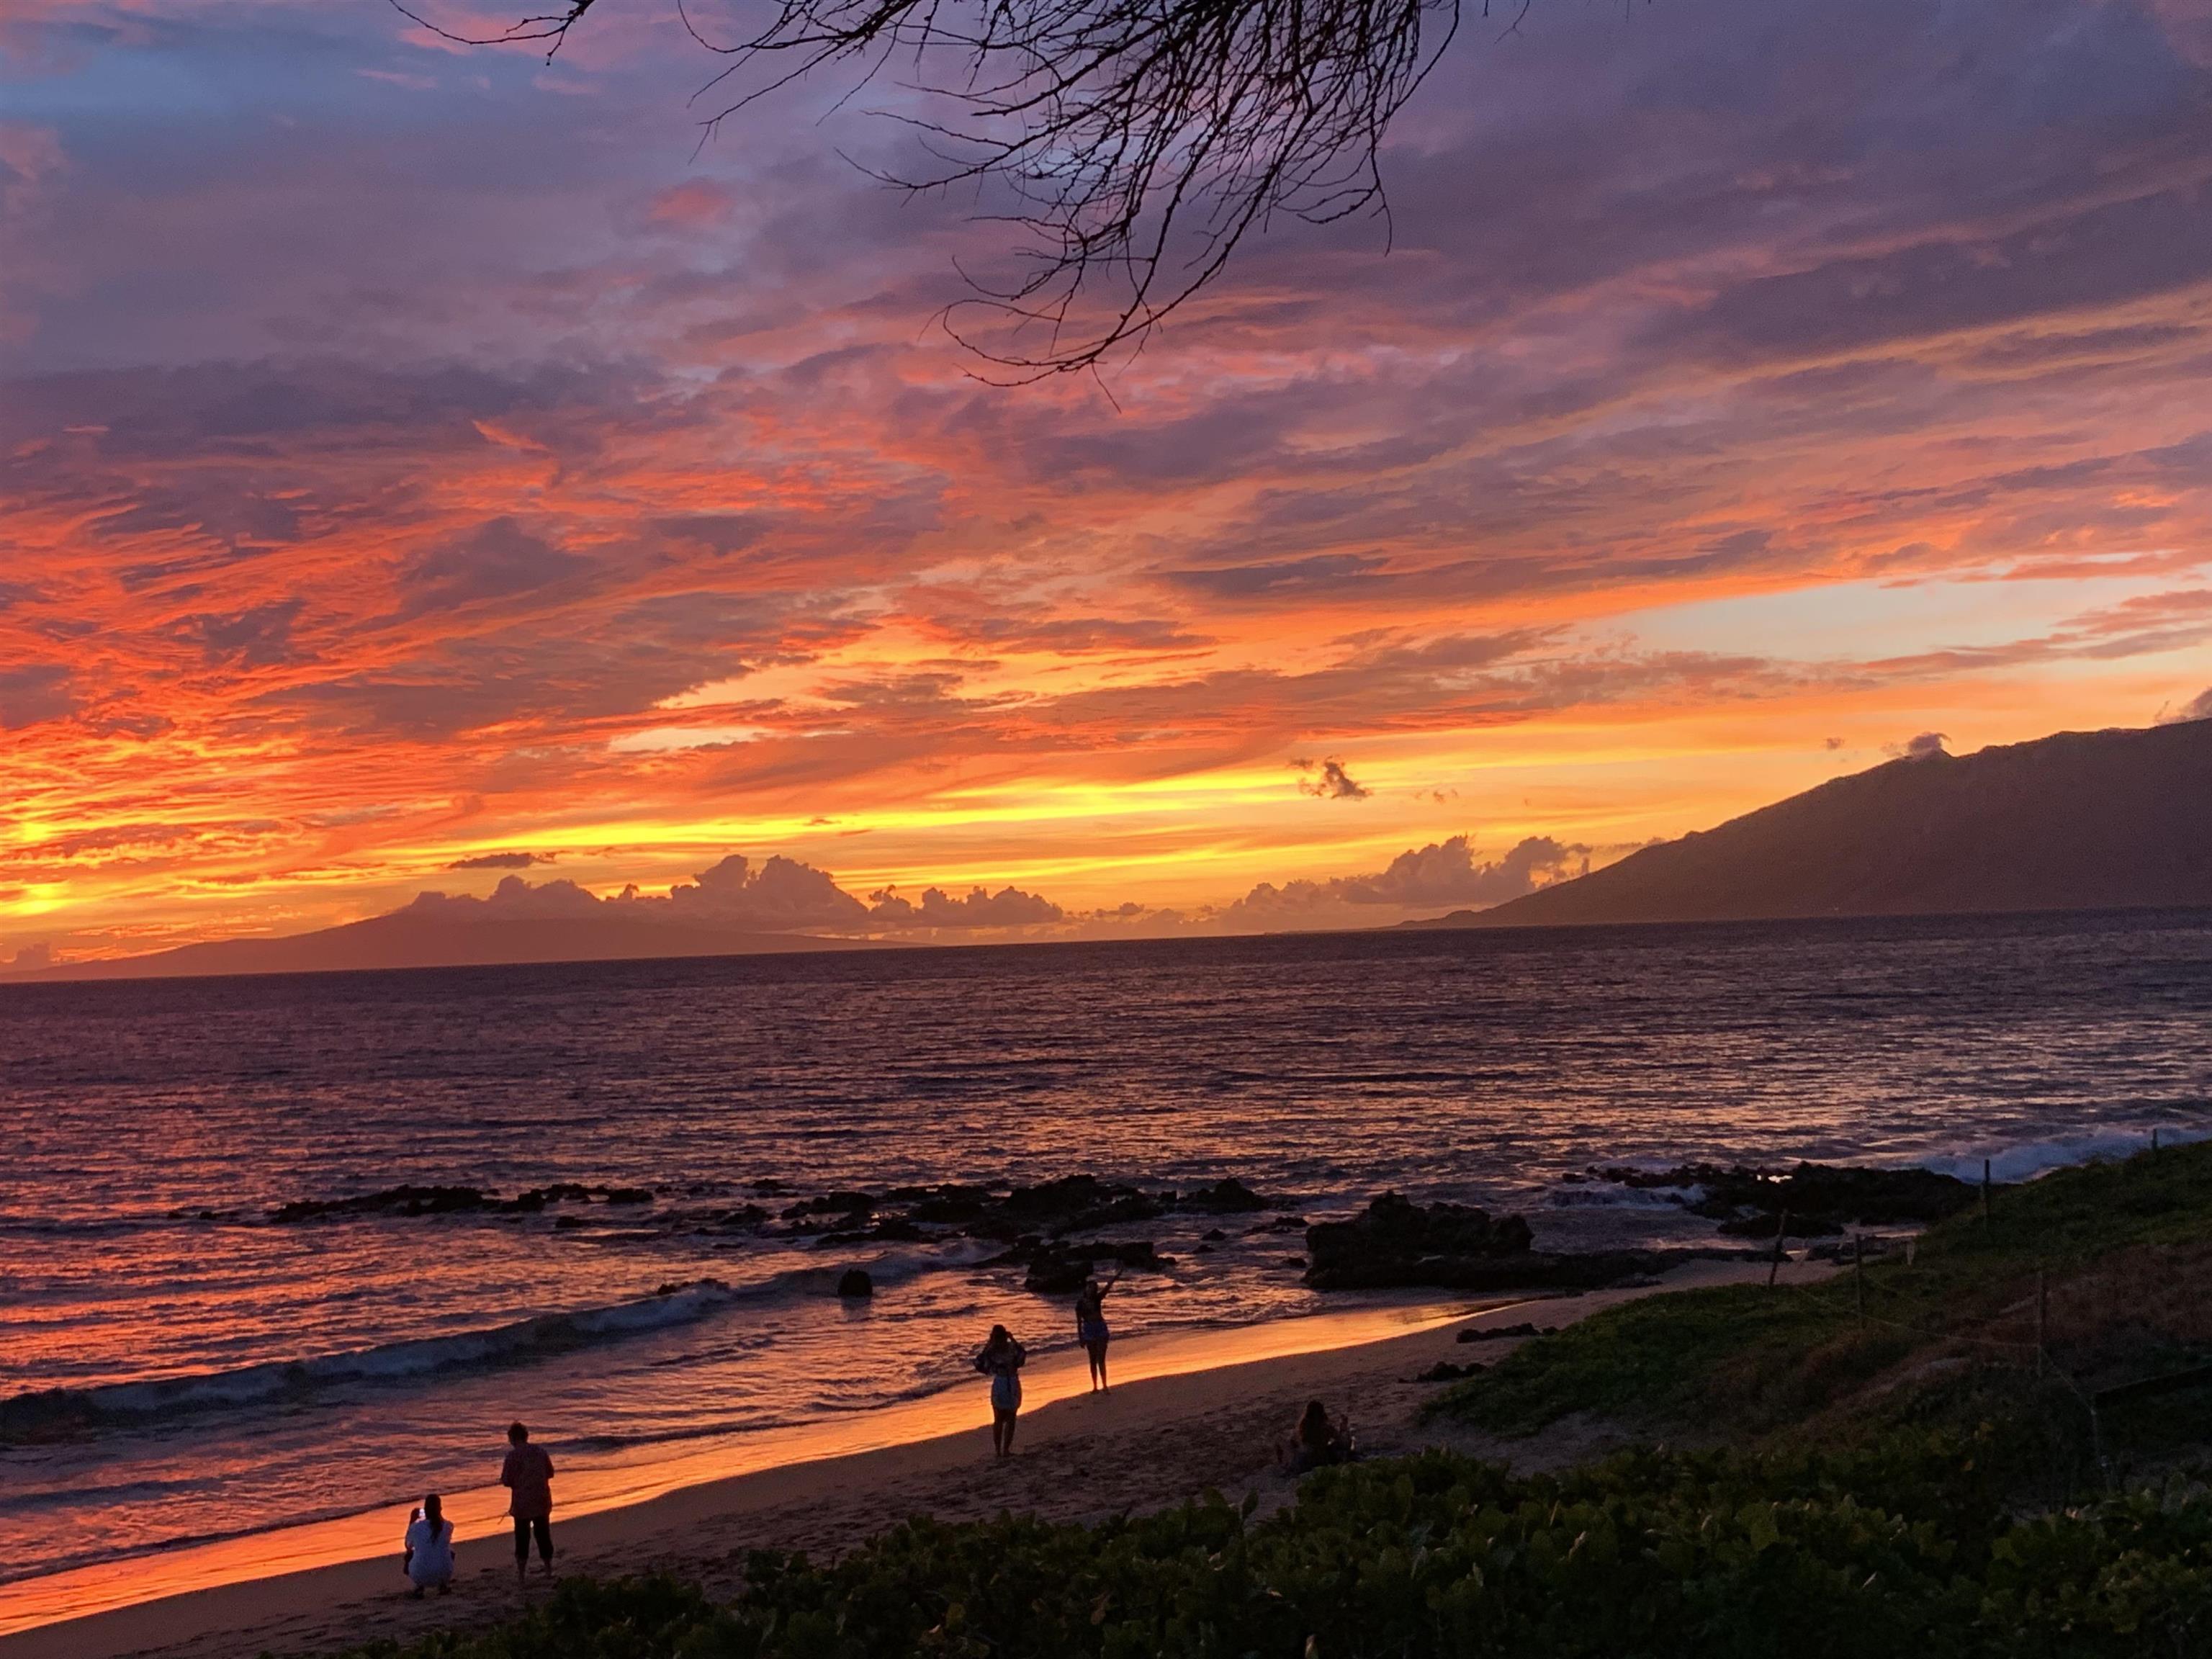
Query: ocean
x,y
182,1359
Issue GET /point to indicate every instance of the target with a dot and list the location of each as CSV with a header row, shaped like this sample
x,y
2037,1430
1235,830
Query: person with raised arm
x,y
1090,1327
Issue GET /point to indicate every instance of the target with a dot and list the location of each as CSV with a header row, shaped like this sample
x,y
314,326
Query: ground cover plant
x,y
1874,1505
2065,1290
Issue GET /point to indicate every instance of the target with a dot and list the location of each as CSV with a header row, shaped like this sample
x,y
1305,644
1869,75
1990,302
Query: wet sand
x,y
1188,1412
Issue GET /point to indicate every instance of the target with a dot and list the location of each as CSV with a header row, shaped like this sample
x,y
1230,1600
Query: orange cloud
x,y
365,522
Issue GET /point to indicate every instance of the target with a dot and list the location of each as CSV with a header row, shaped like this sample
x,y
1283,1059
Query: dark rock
x,y
1283,1224
745,1215
1077,1203
562,1224
1214,1235
854,1282
1527,1270
945,1205
392,1201
1444,1371
1394,1233
1294,1261
892,1229
836,1204
1396,1242
1056,1275
1820,1198
1765,1225
1060,1268
1229,1196
1496,1333
1204,1249
628,1195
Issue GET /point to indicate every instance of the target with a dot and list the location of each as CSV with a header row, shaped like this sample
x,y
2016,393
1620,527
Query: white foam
x,y
2029,1159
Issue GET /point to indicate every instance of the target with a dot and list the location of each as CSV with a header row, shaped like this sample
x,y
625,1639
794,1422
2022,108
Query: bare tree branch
x,y
1135,143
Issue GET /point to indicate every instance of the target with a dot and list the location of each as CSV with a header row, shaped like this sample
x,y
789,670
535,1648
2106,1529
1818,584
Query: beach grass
x,y
2085,1280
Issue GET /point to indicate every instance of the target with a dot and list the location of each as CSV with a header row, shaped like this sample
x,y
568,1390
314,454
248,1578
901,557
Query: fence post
x,y
1781,1232
2153,1137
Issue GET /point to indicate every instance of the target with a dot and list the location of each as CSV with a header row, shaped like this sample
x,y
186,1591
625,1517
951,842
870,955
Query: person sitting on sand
x,y
1317,1440
1090,1327
427,1552
528,1475
1001,1359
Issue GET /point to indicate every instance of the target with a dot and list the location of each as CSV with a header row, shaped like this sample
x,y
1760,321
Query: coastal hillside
x,y
2080,821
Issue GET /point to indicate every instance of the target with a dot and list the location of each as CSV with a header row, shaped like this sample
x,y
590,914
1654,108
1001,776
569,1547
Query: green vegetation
x,y
2116,1258
1875,1504
1900,1547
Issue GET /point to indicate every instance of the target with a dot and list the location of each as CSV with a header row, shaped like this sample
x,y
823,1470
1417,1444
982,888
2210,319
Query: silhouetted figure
x,y
1001,1359
528,1476
1318,1440
1090,1327
426,1553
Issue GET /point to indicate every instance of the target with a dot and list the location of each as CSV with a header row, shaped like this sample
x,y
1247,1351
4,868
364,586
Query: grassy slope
x,y
2121,1254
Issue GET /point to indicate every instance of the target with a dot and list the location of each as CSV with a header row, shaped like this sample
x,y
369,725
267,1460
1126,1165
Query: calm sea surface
x,y
169,1356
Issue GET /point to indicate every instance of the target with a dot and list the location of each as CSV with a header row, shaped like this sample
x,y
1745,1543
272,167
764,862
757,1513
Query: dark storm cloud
x,y
1327,780
503,861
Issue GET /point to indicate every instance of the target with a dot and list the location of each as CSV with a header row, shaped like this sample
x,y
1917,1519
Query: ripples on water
x,y
1323,1069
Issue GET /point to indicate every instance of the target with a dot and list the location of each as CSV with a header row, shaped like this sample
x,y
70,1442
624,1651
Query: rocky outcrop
x,y
1226,1197
451,1201
1819,1200
1396,1242
1060,1266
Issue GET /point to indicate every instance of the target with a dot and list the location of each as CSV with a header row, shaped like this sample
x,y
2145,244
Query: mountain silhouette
x,y
2080,821
413,938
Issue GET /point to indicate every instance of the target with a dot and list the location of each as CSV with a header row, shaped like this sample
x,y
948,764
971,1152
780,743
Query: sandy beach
x,y
1196,1410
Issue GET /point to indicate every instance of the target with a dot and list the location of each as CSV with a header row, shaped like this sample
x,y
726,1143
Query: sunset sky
x,y
415,457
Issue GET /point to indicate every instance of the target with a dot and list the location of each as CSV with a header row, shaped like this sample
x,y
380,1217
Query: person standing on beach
x,y
1090,1327
528,1476
427,1552
1001,1359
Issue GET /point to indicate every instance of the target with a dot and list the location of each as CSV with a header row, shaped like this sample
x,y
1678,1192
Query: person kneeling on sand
x,y
1318,1439
1001,1359
528,1475
427,1552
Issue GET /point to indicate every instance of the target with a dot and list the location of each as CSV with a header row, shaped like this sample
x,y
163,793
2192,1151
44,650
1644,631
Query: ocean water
x,y
175,1365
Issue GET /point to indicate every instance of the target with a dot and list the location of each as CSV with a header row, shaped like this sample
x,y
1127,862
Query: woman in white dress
x,y
427,1552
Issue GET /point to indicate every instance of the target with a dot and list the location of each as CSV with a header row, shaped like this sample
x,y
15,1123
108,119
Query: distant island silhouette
x,y
412,937
2082,821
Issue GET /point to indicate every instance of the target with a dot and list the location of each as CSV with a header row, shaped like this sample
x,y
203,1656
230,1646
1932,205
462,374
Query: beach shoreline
x,y
1190,1411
